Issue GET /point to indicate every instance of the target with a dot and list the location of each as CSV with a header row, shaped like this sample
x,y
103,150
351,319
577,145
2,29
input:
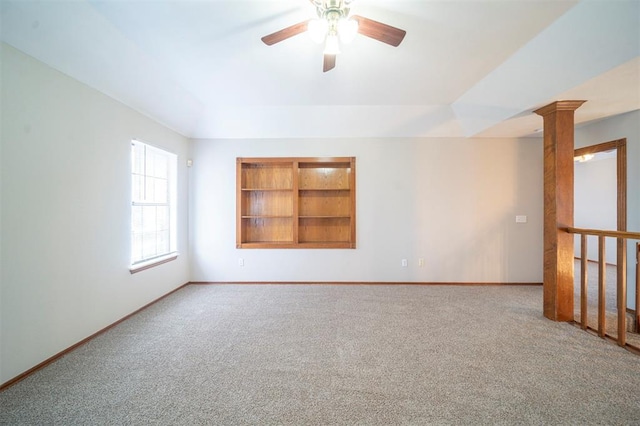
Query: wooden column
x,y
558,208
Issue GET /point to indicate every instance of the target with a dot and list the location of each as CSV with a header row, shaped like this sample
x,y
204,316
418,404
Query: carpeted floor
x,y
336,354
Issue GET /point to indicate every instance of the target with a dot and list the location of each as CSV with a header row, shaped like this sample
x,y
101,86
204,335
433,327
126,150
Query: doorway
x,y
617,149
606,182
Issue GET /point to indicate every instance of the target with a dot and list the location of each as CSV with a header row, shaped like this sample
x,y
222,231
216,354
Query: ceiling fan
x,y
334,25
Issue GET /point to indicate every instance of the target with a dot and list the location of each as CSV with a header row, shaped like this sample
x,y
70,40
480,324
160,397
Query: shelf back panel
x,y
267,203
324,230
267,230
323,177
324,203
267,176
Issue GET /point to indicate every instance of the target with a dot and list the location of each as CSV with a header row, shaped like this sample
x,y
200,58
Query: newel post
x,y
558,208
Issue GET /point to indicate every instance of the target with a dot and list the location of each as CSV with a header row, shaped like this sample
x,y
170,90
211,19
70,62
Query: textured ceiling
x,y
465,68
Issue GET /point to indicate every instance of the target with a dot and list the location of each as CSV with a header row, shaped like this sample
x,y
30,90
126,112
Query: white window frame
x,y
153,206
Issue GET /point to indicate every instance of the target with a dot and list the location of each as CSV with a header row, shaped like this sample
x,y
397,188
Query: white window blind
x,y
153,202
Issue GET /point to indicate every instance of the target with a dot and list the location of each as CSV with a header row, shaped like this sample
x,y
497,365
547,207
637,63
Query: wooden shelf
x,y
295,202
266,189
332,244
324,217
266,217
323,189
262,243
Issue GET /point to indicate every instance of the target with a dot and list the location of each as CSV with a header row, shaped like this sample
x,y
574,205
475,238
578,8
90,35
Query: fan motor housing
x,y
333,10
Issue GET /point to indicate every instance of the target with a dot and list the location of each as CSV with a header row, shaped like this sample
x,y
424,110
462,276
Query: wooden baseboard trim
x,y
60,354
607,337
363,283
632,348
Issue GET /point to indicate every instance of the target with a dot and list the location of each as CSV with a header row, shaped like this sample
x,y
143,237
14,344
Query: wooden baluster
x,y
601,286
622,292
583,281
637,287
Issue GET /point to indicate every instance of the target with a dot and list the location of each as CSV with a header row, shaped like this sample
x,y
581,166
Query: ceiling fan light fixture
x,y
318,29
333,26
584,158
347,30
332,45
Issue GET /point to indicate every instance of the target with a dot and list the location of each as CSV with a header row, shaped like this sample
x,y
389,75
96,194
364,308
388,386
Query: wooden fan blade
x,y
329,62
379,31
285,33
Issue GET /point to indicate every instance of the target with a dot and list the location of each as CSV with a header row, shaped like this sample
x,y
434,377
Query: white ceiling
x,y
465,68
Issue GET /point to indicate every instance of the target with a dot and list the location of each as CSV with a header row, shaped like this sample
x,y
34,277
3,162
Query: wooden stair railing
x,y
638,287
621,290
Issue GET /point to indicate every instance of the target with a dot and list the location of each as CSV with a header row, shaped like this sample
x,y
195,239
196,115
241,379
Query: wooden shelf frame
x,y
296,202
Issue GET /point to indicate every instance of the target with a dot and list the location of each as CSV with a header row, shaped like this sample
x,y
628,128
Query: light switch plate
x,y
521,219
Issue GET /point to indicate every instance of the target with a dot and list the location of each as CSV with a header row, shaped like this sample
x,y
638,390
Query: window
x,y
153,206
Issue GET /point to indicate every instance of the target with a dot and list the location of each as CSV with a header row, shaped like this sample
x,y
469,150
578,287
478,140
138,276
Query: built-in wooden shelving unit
x,y
296,202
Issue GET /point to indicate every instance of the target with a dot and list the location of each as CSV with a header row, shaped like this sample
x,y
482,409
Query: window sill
x,y
138,267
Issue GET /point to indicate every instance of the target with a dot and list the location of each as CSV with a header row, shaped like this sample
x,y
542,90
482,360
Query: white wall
x,y
595,203
450,201
65,185
623,126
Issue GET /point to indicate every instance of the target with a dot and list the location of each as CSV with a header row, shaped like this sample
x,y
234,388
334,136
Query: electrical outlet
x,y
421,262
240,261
521,219
405,263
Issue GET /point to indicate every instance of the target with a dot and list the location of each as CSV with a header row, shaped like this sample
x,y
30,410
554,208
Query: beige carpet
x,y
333,355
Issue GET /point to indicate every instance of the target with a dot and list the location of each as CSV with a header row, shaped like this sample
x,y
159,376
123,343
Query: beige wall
x,y
65,213
452,202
